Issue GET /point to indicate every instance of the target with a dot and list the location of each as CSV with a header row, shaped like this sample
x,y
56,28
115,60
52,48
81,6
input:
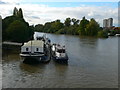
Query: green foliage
x,y
60,28
49,27
10,19
57,25
15,12
75,21
67,22
92,28
18,31
39,28
61,31
31,32
102,34
82,28
6,22
15,28
20,13
71,26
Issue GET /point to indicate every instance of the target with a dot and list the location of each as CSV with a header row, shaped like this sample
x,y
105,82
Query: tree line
x,y
72,26
16,29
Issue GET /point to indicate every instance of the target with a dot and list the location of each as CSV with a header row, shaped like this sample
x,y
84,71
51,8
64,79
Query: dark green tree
x,y
31,30
102,34
6,22
20,13
39,28
67,22
82,27
75,21
18,31
15,12
56,25
92,28
47,27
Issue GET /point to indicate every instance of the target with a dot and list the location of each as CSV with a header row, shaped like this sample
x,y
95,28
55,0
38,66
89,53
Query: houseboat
x,y
36,50
59,53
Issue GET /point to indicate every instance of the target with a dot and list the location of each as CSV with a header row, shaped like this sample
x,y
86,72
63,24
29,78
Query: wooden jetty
x,y
12,43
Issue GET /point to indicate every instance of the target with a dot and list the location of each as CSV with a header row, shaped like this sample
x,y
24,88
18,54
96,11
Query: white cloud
x,y
10,1
35,13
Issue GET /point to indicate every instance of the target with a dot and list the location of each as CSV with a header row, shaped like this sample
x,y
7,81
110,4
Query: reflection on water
x,y
93,63
30,68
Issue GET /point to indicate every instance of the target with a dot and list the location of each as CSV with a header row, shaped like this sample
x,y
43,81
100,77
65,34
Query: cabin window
x,y
26,49
61,50
37,49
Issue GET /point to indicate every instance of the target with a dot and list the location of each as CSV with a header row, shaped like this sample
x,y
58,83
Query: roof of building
x,y
36,43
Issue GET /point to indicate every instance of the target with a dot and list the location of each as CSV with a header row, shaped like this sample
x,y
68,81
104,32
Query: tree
x,y
39,28
15,12
67,22
56,25
6,22
18,31
15,28
92,28
102,34
31,32
47,27
75,21
20,13
84,22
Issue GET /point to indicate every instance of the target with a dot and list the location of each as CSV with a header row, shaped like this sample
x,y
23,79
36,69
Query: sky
x,y
42,11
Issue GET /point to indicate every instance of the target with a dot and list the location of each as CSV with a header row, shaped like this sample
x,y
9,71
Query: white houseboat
x,y
35,50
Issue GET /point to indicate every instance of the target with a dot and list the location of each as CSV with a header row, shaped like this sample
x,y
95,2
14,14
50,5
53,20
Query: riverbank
x,y
101,34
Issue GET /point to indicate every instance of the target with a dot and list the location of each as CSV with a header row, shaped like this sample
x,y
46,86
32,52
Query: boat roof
x,y
36,43
60,47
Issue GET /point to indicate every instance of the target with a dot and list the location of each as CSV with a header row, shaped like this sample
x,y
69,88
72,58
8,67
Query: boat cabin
x,y
60,49
34,46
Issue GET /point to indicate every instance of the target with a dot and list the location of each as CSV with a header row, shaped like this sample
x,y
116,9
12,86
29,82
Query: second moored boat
x,y
59,53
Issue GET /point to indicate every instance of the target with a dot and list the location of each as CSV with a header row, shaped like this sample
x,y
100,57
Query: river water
x,y
93,63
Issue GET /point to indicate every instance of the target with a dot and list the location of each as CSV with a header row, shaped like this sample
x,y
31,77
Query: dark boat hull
x,y
35,59
61,59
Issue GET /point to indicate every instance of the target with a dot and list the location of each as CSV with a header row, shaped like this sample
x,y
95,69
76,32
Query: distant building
x,y
107,23
110,22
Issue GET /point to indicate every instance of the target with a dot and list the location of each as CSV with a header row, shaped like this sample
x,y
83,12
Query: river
x,y
93,63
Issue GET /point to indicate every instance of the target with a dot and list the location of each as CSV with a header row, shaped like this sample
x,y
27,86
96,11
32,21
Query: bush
x,y
102,34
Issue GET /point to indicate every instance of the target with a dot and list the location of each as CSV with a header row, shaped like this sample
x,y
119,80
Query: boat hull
x,y
60,59
34,58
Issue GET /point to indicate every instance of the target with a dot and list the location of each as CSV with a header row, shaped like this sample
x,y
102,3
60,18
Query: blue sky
x,y
75,4
42,11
